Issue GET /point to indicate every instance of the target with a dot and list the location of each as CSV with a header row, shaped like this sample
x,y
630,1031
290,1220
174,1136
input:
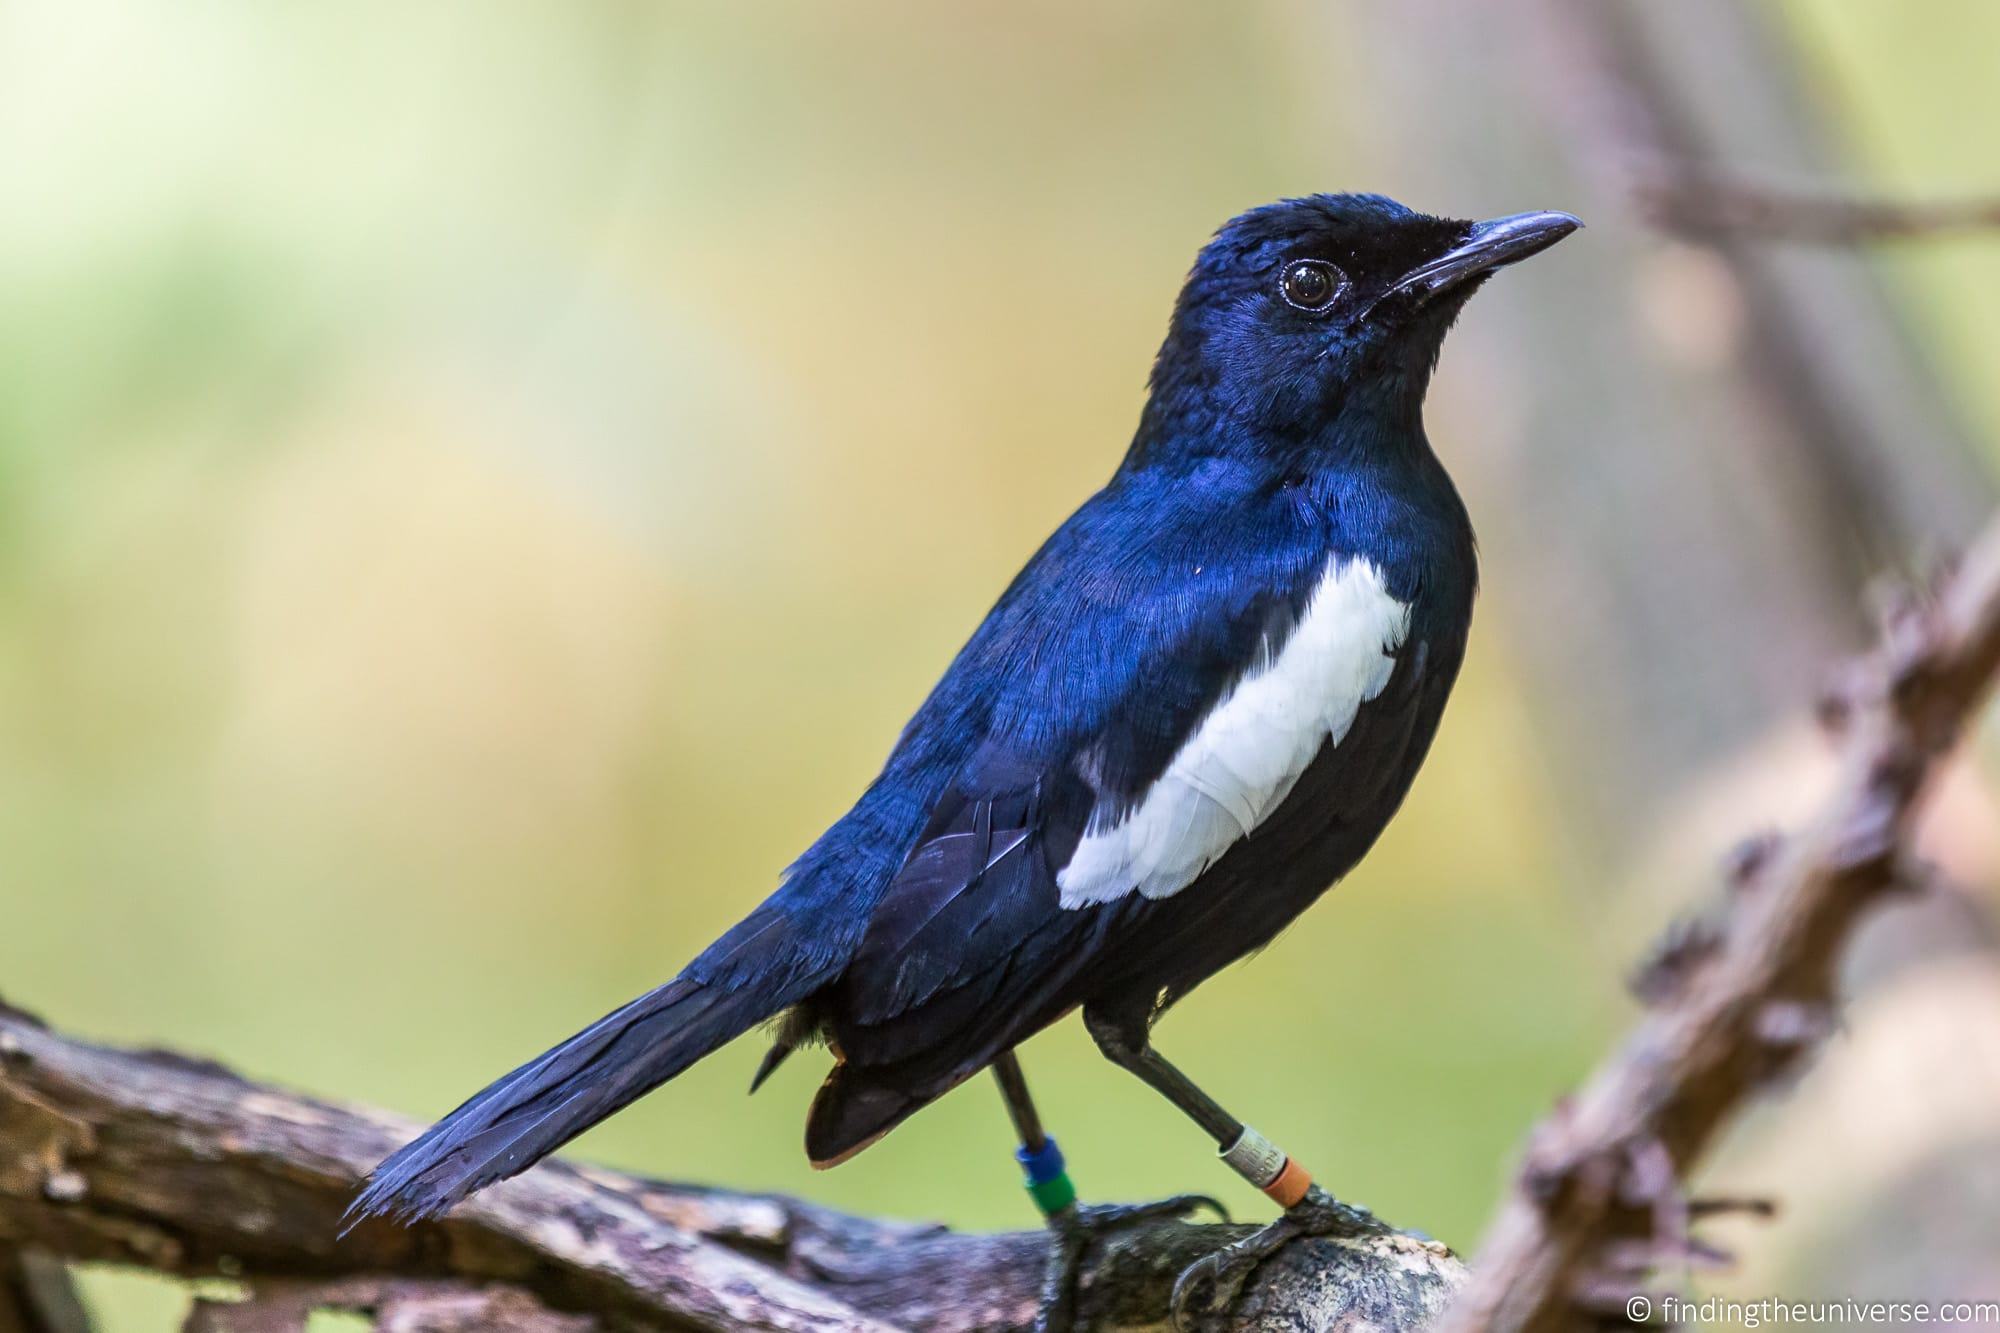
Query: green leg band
x,y
1053,1195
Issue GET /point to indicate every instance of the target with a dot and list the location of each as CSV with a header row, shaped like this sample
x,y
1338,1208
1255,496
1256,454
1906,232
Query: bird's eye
x,y
1311,284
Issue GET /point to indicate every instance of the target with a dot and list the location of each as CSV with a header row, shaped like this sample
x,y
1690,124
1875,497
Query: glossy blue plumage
x,y
922,934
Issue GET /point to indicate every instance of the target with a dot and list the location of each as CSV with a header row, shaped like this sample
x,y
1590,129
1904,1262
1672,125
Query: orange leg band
x,y
1290,1186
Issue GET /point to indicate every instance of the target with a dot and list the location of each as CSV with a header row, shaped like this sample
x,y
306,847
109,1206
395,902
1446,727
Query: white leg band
x,y
1254,1157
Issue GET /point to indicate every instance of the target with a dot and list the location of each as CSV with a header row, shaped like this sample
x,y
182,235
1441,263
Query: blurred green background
x,y
482,484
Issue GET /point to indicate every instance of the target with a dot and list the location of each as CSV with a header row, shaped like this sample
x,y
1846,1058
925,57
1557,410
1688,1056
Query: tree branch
x,y
1741,999
176,1165
1702,204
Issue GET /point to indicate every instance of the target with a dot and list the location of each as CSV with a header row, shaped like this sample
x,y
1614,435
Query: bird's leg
x,y
1071,1225
1210,1286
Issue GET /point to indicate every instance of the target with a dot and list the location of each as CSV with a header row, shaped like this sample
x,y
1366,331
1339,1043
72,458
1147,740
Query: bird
x,y
1193,711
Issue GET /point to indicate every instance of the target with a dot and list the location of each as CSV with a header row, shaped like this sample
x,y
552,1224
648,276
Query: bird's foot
x,y
1208,1288
1071,1233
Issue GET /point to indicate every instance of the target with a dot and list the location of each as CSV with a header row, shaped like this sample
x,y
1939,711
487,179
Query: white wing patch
x,y
1242,761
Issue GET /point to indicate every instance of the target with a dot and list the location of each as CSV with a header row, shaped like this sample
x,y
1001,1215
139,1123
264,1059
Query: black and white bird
x,y
1191,713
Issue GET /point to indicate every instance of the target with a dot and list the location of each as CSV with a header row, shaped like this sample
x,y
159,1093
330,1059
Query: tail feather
x,y
851,1112
855,1107
529,1113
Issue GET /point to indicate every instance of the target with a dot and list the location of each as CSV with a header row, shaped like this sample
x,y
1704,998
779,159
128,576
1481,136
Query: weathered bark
x,y
179,1166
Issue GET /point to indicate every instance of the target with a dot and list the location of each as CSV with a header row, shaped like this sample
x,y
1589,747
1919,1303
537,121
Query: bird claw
x,y
1102,1217
1073,1230
1207,1288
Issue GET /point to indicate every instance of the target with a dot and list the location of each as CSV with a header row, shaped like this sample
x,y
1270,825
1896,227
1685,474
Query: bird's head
x,y
1302,310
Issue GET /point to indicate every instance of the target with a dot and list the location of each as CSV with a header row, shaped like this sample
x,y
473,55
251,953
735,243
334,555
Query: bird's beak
x,y
1490,245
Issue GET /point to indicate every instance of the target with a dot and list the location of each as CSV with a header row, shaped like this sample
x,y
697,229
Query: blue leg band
x,y
1048,1176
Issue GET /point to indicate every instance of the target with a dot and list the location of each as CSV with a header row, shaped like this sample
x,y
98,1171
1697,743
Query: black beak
x,y
1490,245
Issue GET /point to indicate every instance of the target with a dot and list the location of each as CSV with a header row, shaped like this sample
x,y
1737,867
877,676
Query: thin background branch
x,y
1701,204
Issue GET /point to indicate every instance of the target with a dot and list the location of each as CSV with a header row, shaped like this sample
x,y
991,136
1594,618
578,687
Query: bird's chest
x,y
1295,699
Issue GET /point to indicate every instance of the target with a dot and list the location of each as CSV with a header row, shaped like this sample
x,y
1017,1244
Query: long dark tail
x,y
528,1114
